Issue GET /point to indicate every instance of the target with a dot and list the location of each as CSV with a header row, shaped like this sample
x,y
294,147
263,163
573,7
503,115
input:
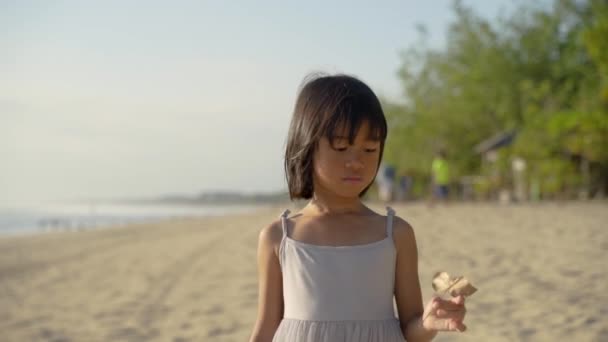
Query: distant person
x,y
329,272
404,186
386,182
440,174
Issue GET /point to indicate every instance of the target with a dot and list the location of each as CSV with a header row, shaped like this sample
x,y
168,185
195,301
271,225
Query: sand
x,y
540,269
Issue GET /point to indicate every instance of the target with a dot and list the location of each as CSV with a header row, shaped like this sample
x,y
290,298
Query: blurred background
x,y
172,117
139,102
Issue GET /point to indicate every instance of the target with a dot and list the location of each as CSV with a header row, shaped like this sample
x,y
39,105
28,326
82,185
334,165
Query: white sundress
x,y
338,293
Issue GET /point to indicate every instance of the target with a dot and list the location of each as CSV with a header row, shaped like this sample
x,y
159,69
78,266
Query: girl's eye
x,y
368,150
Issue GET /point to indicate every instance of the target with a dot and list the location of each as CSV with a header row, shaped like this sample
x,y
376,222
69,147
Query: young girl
x,y
329,272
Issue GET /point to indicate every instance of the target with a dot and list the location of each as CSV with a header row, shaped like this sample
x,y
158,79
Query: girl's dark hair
x,y
324,104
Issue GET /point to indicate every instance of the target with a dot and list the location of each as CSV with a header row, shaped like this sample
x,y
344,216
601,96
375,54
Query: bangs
x,y
348,117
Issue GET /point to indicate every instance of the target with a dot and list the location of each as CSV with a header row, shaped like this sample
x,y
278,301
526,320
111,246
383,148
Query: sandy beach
x,y
540,270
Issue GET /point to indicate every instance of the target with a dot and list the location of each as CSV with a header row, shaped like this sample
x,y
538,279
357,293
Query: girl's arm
x,y
407,285
270,296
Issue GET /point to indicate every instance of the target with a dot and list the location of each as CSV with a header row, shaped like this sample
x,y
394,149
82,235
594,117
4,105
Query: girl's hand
x,y
444,315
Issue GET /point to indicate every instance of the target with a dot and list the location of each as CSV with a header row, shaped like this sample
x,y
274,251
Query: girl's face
x,y
345,169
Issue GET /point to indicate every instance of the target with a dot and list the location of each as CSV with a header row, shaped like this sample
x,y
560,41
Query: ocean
x,y
27,219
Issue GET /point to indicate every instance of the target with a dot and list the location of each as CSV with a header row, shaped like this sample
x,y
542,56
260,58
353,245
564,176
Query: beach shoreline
x,y
539,270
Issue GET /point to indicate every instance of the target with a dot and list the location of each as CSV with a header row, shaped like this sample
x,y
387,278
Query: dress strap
x,y
389,222
283,239
284,221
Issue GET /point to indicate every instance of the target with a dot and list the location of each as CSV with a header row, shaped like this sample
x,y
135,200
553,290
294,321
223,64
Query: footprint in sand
x,y
214,310
218,331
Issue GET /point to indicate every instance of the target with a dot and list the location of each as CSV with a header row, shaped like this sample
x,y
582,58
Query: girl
x,y
330,271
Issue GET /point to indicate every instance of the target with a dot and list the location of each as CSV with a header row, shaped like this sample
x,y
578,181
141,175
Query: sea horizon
x,y
42,217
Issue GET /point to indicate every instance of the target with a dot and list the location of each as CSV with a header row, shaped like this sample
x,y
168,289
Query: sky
x,y
131,99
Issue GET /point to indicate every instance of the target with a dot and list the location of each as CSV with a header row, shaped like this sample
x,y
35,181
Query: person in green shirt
x,y
440,172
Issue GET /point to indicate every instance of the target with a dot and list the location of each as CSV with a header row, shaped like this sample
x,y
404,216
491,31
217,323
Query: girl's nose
x,y
354,163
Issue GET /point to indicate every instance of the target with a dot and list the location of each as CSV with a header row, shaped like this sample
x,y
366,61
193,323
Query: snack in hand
x,y
455,286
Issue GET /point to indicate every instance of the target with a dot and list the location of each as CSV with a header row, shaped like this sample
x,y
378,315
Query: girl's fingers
x,y
455,325
461,327
451,304
456,314
458,300
446,315
431,307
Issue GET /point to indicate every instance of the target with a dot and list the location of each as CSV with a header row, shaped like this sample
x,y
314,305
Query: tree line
x,y
539,73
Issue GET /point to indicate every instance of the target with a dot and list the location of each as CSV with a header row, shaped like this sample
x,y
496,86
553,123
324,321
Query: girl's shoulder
x,y
270,235
403,233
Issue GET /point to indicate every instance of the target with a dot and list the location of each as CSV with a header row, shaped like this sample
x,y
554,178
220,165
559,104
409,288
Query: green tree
x,y
540,71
